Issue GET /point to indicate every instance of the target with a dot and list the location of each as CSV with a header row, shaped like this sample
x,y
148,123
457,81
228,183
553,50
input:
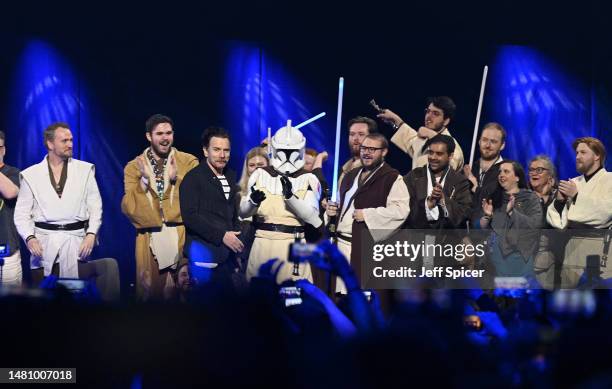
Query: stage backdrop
x,y
105,89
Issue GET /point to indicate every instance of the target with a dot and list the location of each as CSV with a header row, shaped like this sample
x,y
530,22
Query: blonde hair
x,y
244,179
595,145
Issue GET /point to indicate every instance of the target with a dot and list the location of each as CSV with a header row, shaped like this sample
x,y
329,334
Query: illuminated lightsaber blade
x,y
312,119
337,145
482,88
269,142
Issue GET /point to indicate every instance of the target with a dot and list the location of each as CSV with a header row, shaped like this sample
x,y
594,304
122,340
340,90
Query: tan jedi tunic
x,y
276,210
407,139
150,216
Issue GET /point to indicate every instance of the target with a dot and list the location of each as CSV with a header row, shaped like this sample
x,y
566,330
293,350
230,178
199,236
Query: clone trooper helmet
x,y
288,146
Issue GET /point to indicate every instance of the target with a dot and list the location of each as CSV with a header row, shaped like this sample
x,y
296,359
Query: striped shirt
x,y
225,185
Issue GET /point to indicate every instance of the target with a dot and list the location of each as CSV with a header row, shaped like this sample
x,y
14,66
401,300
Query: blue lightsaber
x,y
337,145
312,119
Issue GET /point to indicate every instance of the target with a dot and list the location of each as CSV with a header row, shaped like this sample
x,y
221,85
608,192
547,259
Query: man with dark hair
x,y
359,127
483,175
151,202
439,196
59,208
157,119
438,114
10,259
584,204
372,198
209,211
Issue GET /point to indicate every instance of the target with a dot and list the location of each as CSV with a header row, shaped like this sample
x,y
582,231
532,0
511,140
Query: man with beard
x,y
584,204
440,197
151,202
208,207
438,114
372,197
359,127
59,208
483,176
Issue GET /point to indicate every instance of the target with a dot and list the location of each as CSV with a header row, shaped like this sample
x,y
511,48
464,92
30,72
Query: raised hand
x,y
426,133
467,172
319,159
257,196
389,116
142,166
547,188
487,207
172,170
287,187
568,188
510,205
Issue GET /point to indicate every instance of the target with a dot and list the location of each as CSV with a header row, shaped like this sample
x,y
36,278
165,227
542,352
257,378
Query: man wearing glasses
x,y
372,197
438,114
10,260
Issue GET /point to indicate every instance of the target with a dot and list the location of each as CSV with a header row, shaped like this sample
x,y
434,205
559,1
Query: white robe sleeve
x,y
555,219
593,208
23,210
382,221
94,203
404,138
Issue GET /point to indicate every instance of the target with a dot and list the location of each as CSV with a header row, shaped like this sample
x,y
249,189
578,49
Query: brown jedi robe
x,y
146,215
372,194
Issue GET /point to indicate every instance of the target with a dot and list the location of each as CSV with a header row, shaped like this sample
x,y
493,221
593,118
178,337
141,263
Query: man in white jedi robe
x,y
59,208
583,204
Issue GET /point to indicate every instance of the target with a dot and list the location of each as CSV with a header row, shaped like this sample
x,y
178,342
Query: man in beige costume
x,y
151,202
438,114
584,204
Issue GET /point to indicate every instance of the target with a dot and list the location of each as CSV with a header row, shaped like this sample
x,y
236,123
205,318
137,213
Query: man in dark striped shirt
x,y
209,211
